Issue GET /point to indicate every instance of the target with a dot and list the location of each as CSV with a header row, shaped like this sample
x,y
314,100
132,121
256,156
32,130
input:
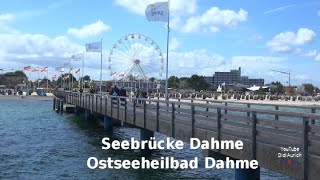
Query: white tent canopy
x,y
256,88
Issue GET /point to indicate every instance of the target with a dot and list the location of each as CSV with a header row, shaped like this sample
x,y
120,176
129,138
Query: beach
x,y
268,102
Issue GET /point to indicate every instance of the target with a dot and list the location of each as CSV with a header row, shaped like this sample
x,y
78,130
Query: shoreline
x,y
257,102
20,97
200,101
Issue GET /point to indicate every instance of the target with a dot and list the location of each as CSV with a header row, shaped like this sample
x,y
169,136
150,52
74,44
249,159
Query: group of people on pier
x,y
139,94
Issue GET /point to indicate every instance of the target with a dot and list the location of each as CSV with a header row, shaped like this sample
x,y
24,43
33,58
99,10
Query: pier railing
x,y
263,132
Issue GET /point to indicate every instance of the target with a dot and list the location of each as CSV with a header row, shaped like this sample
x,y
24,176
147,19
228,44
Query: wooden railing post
x,y
125,110
96,102
85,101
101,104
276,117
106,105
89,101
313,110
219,126
92,97
172,120
144,113
305,147
207,102
118,108
134,111
254,135
207,109
158,113
226,111
111,105
192,119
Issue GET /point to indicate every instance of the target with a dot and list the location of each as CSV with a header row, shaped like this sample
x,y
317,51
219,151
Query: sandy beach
x,y
269,102
19,97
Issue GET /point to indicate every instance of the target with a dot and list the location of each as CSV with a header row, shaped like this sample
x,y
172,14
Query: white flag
x,y
93,47
223,84
76,57
158,12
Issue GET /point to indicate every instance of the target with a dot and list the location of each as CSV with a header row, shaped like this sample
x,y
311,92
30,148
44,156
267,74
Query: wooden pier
x,y
263,132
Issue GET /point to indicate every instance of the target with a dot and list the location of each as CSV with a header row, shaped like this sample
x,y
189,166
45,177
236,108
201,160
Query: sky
x,y
205,36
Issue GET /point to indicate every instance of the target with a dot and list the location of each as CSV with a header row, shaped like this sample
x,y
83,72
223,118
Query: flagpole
x,y
82,71
47,82
62,78
38,78
69,84
30,81
101,68
80,82
72,79
166,90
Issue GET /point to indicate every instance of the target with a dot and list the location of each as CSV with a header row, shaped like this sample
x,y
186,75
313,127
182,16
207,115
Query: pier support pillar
x,y
61,106
87,115
77,110
247,174
54,103
145,134
107,122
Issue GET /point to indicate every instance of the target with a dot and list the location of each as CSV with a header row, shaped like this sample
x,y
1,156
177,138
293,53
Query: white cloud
x,y
287,41
6,17
317,57
4,20
174,44
213,19
26,49
256,62
311,53
90,30
194,62
177,7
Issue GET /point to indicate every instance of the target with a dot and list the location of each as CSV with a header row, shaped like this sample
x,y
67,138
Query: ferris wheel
x,y
135,57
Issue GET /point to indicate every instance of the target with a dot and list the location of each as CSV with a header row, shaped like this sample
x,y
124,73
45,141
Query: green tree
x,y
86,78
183,83
173,82
279,89
309,88
108,84
197,83
261,90
16,73
131,78
152,79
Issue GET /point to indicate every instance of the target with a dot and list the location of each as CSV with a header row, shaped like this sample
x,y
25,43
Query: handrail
x,y
213,106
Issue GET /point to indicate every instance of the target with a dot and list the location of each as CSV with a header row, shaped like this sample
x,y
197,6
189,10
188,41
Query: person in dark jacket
x,y
122,93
